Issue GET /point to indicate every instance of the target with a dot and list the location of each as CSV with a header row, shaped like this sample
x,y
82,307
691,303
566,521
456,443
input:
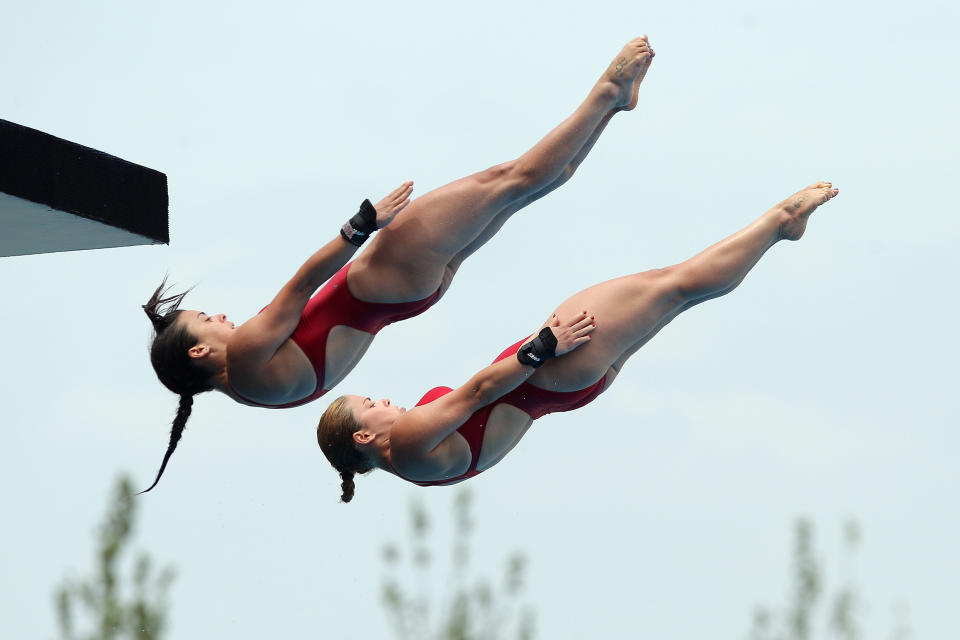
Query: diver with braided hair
x,y
301,345
454,434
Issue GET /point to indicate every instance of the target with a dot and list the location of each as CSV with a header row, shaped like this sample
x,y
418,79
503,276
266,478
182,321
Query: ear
x,y
198,351
362,437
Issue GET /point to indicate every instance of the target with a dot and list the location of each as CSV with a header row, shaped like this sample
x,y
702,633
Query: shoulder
x,y
243,349
433,394
271,376
415,460
427,428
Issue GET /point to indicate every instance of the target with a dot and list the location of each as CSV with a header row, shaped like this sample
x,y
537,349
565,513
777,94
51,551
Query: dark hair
x,y
335,437
172,364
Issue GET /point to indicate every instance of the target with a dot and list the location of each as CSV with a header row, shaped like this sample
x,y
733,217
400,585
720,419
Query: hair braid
x,y
171,362
335,437
179,423
346,487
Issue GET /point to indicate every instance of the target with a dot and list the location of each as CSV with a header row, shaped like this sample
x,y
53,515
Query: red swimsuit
x,y
533,401
334,305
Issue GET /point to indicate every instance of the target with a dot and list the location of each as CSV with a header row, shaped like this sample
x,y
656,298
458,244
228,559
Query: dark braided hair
x,y
172,364
335,437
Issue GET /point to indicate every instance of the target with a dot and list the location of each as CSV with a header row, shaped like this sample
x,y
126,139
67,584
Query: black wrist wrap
x,y
538,350
361,226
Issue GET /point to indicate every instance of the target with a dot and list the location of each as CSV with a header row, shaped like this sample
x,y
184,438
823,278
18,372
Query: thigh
x,y
628,310
406,260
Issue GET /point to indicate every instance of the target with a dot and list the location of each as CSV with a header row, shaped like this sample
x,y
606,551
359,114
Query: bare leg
x,y
408,259
501,218
632,309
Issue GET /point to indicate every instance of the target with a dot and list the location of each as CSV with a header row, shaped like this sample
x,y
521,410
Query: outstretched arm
x,y
266,332
419,432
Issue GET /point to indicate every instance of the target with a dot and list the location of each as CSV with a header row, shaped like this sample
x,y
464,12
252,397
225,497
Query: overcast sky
x,y
823,387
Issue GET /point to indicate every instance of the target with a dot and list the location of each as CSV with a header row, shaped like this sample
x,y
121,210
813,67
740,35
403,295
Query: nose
x,y
386,402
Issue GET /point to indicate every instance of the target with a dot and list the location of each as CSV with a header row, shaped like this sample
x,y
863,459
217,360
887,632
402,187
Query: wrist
x,y
537,351
361,226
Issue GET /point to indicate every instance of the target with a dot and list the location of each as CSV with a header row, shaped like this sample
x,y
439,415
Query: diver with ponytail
x,y
305,341
454,434
174,368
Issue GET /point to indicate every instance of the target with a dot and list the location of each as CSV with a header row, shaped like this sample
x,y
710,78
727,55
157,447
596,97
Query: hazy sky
x,y
821,388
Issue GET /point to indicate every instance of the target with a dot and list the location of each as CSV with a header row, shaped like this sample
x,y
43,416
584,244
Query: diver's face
x,y
376,416
206,328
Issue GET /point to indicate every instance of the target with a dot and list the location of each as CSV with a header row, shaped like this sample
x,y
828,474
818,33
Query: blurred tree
x,y
140,615
470,609
798,621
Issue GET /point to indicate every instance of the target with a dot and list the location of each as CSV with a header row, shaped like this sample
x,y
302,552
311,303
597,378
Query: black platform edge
x,y
42,168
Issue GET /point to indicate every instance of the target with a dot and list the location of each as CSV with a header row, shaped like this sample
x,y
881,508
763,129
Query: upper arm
x,y
422,432
260,337
425,427
271,328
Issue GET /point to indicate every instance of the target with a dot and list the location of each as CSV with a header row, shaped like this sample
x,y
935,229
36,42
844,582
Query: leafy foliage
x,y
116,615
471,608
798,620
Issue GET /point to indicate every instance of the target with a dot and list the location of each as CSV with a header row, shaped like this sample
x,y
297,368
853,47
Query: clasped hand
x,y
572,333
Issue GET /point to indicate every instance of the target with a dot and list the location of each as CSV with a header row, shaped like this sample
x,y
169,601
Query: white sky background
x,y
821,387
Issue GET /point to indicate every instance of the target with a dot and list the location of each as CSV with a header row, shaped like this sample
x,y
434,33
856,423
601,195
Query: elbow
x,y
482,394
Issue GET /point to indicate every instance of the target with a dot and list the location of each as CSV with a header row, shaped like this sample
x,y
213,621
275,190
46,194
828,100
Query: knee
x,y
671,286
534,179
513,178
497,173
527,177
519,178
565,174
504,178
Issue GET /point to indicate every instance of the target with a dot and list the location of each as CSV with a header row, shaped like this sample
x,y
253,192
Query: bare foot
x,y
639,79
627,70
795,210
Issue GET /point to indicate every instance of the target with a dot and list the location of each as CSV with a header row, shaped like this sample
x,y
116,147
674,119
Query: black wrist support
x,y
361,226
538,350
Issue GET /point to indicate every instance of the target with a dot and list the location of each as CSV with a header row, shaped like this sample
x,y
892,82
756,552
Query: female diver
x,y
299,347
454,434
